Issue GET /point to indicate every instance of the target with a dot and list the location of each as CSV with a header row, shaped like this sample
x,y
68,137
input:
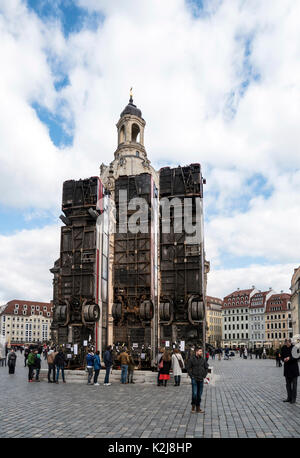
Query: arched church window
x,y
135,133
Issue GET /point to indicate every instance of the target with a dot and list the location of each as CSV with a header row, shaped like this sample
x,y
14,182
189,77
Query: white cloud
x,y
25,260
224,281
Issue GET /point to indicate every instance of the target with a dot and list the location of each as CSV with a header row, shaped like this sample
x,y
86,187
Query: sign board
x,y
75,349
135,345
167,343
182,345
85,343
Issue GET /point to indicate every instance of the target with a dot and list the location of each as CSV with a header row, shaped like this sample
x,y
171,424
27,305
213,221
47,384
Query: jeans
x,y
130,376
177,379
197,389
291,388
96,375
58,368
37,373
106,379
90,373
124,369
51,367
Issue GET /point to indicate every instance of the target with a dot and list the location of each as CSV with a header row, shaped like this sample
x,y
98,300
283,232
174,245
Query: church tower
x,y
130,155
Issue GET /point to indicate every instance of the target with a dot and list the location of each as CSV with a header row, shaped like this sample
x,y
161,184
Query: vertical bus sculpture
x,y
182,288
135,265
80,274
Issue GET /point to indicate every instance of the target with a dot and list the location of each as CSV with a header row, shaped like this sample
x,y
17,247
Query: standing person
x,y
278,358
12,359
245,353
197,369
159,355
51,366
250,353
219,354
177,366
59,362
108,361
164,373
213,354
37,365
290,371
124,360
21,349
26,353
131,366
264,353
90,366
30,364
97,367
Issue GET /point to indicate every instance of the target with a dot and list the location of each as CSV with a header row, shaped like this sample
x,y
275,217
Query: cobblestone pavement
x,y
245,400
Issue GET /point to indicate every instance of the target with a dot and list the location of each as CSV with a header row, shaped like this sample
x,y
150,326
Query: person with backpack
x,y
177,366
59,362
37,365
30,364
97,367
51,366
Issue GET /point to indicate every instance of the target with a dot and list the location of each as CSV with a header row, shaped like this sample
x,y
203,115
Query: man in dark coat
x,y
197,369
12,358
108,361
290,371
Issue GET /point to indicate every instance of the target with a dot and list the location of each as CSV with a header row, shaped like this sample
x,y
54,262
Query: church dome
x,y
131,109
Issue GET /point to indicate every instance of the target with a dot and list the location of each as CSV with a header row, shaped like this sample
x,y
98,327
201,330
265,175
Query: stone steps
x,y
146,377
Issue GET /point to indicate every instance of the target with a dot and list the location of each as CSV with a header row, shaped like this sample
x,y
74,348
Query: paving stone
x,y
244,399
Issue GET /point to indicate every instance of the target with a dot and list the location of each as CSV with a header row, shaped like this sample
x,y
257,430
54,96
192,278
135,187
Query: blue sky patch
x,y
14,220
58,128
72,17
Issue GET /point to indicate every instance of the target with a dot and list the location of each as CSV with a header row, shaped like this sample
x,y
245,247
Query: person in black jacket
x,y
59,362
197,369
108,361
290,371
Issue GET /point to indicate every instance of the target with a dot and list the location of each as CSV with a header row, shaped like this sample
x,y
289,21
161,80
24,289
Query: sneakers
x,y
96,384
106,384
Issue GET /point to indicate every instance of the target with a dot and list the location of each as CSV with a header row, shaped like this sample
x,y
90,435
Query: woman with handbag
x,y
164,368
177,366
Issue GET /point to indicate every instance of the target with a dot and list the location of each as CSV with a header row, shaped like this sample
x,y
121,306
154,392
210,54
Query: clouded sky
x,y
218,82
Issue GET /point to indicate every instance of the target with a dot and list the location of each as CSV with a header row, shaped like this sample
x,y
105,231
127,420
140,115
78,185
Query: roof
x,y
213,299
256,295
241,292
131,109
10,308
284,299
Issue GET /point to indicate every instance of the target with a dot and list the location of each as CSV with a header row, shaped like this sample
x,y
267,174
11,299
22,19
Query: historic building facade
x,y
278,320
295,301
23,322
235,318
213,320
257,318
